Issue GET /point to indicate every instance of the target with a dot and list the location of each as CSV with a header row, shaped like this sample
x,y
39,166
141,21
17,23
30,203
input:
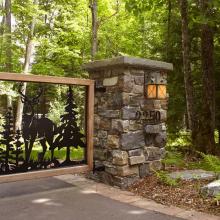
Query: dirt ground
x,y
185,195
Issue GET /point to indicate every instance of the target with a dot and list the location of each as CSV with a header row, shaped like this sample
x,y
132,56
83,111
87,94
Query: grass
x,y
75,153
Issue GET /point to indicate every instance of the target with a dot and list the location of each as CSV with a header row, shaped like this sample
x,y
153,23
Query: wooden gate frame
x,y
17,77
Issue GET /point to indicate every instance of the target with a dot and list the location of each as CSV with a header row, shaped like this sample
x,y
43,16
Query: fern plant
x,y
166,179
174,158
210,163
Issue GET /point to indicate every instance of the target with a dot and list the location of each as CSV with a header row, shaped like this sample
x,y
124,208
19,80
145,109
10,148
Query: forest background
x,y
55,37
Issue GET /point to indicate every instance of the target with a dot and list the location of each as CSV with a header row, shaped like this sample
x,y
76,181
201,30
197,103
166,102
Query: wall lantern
x,y
155,85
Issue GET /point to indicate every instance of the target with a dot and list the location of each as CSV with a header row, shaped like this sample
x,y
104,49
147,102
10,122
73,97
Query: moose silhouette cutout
x,y
36,128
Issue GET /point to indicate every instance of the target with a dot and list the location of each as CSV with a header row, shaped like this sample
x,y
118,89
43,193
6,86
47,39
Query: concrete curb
x,y
89,186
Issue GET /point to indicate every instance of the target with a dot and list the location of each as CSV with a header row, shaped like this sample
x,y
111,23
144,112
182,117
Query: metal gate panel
x,y
18,146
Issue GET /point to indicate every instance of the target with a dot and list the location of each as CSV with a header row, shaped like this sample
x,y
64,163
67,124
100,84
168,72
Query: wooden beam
x,y
43,174
44,79
90,122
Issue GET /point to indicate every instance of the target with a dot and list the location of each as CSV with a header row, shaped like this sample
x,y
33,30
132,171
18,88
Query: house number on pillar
x,y
151,117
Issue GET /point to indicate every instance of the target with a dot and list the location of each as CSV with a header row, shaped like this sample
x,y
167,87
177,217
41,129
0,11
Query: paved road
x,y
54,199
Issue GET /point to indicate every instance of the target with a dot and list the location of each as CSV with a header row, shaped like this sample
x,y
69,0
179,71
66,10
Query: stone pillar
x,y
129,129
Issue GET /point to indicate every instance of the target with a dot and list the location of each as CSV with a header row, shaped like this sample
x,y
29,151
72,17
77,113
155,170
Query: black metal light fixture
x,y
155,85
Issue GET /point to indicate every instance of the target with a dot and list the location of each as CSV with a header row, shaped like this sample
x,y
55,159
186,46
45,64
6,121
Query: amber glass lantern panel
x,y
151,91
162,92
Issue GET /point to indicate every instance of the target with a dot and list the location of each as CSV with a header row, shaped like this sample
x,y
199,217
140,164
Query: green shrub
x,y
210,162
174,158
166,179
179,141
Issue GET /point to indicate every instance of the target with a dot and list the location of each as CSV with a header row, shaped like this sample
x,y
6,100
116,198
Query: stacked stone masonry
x,y
128,146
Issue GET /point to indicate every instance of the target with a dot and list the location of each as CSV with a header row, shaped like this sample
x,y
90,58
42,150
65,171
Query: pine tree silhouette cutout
x,y
69,133
7,142
17,152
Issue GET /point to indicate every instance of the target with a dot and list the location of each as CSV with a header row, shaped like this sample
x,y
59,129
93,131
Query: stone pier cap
x,y
128,62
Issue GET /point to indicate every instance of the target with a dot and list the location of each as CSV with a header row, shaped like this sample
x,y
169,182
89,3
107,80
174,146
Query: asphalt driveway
x,y
55,199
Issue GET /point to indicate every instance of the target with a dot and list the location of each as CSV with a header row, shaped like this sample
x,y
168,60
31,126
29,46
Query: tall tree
x,y
189,91
27,60
96,23
207,58
8,36
2,29
8,44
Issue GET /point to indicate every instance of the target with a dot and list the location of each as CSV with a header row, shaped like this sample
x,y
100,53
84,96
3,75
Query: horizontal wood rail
x,y
44,173
44,79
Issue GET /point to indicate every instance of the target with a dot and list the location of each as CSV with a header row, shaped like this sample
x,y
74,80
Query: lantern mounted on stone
x,y
155,85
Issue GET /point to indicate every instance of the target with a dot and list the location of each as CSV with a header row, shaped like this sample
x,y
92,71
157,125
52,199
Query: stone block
x,y
102,134
152,153
124,182
120,158
96,101
136,152
129,113
197,174
113,141
111,169
137,72
103,142
144,170
126,83
160,140
134,125
147,104
164,104
110,81
153,129
163,115
106,178
132,140
99,154
115,100
97,121
120,125
109,113
107,73
157,104
138,89
139,80
212,189
163,152
109,156
127,170
118,71
149,140
105,124
155,165
136,160
96,141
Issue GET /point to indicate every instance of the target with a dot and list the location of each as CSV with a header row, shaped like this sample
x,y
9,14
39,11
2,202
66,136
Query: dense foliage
x,y
64,33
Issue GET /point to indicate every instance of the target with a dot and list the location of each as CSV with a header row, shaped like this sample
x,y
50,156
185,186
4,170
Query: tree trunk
x,y
28,54
94,38
169,7
8,45
189,91
2,30
207,58
8,36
